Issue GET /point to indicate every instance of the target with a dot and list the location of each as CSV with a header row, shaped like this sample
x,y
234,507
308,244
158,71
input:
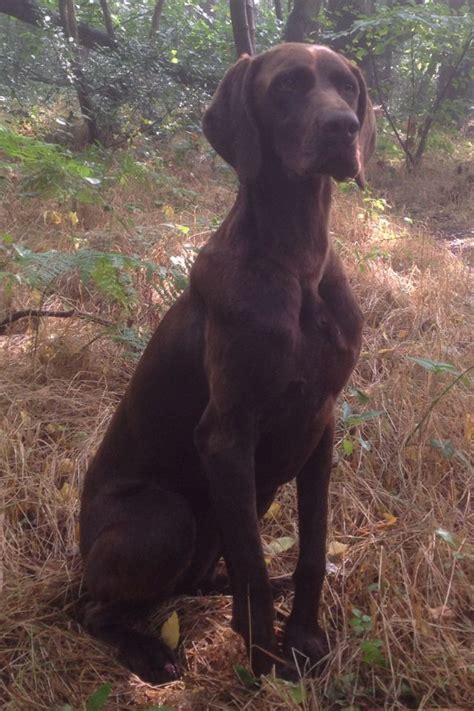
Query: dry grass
x,y
58,388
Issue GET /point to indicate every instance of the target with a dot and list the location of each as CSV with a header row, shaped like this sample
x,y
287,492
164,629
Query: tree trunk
x,y
241,14
301,20
155,20
250,12
278,9
68,16
109,25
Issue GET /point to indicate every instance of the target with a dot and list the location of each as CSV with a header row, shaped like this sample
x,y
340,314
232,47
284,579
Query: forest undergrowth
x,y
397,600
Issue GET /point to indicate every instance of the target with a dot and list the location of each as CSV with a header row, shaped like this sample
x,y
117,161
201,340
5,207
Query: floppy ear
x,y
228,123
366,116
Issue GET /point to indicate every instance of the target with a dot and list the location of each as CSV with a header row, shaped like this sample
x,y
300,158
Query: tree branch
x,y
28,11
439,100
40,313
378,89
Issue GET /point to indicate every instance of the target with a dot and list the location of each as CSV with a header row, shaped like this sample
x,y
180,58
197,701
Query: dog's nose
x,y
341,124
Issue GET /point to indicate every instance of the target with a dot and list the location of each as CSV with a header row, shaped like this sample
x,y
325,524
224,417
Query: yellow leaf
x,y
68,492
389,518
336,548
53,428
37,296
65,467
168,211
73,218
52,217
469,427
25,418
273,511
412,453
170,631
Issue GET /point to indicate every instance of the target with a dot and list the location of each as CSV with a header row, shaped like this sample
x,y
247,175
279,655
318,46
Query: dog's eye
x,y
349,87
296,82
287,84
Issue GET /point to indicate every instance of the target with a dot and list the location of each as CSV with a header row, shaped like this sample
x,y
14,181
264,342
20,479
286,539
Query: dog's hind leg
x,y
143,544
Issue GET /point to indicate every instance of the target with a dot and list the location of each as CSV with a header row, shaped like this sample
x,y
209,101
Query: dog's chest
x,y
328,347
324,355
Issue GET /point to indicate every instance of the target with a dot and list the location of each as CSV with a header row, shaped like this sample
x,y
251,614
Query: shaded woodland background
x,y
108,190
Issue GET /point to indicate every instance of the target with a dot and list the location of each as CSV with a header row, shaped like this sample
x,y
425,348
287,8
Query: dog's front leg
x,y
226,446
303,634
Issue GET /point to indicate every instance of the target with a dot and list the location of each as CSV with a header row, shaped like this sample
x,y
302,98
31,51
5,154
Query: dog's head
x,y
304,105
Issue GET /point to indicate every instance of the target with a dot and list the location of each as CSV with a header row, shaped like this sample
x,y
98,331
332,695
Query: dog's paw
x,y
149,658
306,650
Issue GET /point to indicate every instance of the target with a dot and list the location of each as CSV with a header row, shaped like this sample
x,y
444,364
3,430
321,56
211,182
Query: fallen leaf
x,y
447,536
54,428
273,511
412,453
469,427
73,218
280,545
65,467
170,631
52,217
168,211
68,492
336,548
441,613
389,518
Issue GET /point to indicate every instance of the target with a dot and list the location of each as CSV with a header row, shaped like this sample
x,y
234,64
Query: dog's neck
x,y
286,219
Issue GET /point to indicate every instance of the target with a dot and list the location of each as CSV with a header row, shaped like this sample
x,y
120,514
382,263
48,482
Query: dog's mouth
x,y
341,164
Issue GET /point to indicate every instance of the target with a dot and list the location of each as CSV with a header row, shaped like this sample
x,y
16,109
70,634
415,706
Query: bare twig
x,y
395,130
40,313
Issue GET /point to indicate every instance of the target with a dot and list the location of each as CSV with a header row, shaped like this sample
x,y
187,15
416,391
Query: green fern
x,y
111,273
49,171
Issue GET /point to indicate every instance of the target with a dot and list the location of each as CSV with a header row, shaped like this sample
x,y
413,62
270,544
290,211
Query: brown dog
x,y
234,395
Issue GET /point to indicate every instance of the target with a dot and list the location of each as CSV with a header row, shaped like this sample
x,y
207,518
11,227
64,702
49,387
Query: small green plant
x,y
351,420
372,653
449,451
360,622
438,368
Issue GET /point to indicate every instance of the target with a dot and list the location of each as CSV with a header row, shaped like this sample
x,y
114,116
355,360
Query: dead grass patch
x,y
399,506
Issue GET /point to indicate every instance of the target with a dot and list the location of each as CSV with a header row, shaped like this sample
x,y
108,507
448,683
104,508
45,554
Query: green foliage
x,y
246,677
372,653
98,700
110,275
434,366
109,272
411,51
360,622
46,170
449,451
353,419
